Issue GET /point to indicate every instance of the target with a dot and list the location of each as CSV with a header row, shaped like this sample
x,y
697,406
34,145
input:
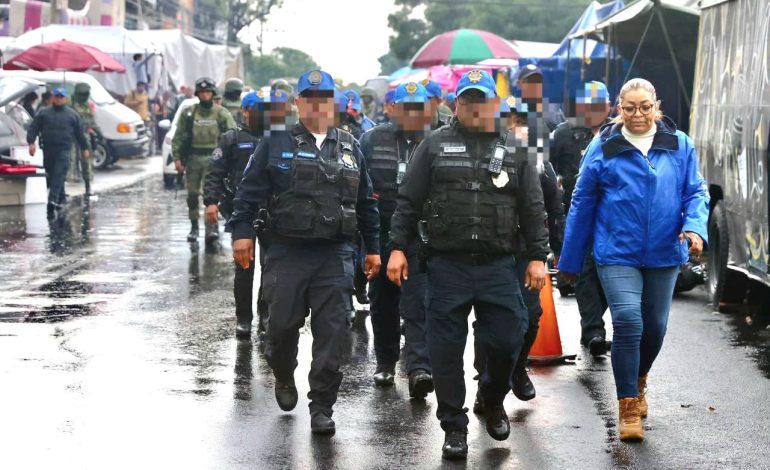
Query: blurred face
x,y
317,111
140,87
411,117
477,112
59,100
278,113
205,96
637,107
593,114
531,87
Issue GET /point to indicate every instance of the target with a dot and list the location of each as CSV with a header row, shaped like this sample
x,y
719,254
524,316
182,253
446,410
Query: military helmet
x,y
233,85
82,89
283,85
205,84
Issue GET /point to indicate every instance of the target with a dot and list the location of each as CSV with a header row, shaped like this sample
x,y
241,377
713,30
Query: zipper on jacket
x,y
476,193
650,176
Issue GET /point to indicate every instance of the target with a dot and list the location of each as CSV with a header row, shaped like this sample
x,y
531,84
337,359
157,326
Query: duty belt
x,y
475,259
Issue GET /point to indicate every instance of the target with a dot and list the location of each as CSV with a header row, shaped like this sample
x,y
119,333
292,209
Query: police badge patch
x,y
411,88
474,76
217,154
348,160
315,77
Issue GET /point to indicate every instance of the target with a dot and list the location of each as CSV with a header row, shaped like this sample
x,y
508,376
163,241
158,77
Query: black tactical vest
x,y
465,205
320,202
383,166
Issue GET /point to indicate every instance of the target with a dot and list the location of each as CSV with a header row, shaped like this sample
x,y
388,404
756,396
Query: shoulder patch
x,y
216,154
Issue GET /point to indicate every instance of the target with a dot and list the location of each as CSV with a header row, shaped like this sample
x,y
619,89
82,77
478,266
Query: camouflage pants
x,y
80,170
196,170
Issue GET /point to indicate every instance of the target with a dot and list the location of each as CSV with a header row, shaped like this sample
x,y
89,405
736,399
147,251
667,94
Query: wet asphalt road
x,y
117,351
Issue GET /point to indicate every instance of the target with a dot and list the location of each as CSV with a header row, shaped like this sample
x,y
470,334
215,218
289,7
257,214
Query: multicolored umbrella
x,y
64,55
463,46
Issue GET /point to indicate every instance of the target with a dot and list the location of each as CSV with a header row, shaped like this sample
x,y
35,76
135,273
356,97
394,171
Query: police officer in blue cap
x,y
435,98
354,120
387,149
225,173
59,128
570,139
476,198
308,193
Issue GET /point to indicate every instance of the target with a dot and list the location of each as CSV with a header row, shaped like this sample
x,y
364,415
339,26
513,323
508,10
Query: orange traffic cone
x,y
547,346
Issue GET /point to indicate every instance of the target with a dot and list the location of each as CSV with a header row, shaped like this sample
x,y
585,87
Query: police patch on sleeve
x,y
217,154
348,160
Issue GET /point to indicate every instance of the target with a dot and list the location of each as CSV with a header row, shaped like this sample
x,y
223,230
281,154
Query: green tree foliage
x,y
282,62
524,20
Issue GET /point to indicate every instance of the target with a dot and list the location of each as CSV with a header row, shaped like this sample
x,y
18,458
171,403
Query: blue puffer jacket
x,y
632,207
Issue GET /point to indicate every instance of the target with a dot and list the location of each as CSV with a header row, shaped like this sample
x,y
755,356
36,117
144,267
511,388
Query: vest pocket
x,y
294,217
349,223
304,178
505,220
349,185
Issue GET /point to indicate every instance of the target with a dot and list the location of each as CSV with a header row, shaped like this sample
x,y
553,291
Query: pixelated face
x,y
592,114
637,108
59,100
411,117
477,112
531,87
278,113
317,111
205,95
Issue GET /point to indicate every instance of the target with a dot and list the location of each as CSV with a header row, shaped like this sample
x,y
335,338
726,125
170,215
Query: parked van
x,y
730,125
123,130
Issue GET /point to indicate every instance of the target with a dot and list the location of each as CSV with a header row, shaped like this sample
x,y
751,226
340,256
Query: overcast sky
x,y
345,37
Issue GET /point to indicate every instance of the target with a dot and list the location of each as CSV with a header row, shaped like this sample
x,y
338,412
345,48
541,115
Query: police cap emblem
x,y
411,88
260,93
474,76
315,77
511,102
425,82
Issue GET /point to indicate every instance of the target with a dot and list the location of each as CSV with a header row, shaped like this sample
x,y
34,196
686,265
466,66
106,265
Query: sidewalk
x,y
125,173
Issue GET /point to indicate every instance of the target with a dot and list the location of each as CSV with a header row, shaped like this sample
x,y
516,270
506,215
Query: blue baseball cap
x,y
390,95
315,80
354,98
477,80
593,92
60,91
528,70
451,97
259,97
410,93
341,100
433,88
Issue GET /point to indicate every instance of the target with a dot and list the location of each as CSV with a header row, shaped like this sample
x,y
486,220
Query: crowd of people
x,y
442,204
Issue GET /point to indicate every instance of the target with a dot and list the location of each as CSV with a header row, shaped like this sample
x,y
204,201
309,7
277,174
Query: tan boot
x,y
630,428
642,396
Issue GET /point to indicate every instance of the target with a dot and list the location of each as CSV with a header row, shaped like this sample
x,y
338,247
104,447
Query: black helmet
x,y
205,84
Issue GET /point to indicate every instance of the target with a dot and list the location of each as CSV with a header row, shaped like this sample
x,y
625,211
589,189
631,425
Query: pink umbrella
x,y
463,46
64,55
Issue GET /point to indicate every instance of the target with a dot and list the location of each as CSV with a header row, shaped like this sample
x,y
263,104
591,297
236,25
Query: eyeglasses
x,y
644,109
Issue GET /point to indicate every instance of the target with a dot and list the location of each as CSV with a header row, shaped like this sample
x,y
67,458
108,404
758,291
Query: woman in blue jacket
x,y
641,200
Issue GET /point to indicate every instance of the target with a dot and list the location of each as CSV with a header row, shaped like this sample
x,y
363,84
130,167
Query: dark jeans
x,y
243,287
302,280
534,311
640,299
591,301
492,290
56,162
413,305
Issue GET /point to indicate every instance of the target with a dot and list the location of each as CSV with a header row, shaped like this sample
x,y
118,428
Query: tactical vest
x,y
206,129
465,205
320,202
383,166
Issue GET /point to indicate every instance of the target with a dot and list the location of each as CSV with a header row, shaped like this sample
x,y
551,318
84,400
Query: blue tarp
x,y
594,13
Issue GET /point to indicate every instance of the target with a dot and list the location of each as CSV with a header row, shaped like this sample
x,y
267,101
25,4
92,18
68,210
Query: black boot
x,y
321,422
243,330
498,426
359,285
420,383
455,445
212,233
385,375
598,346
478,405
193,235
286,394
522,386
88,188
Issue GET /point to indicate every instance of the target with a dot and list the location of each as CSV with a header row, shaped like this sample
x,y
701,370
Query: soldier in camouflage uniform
x,y
83,107
196,137
232,101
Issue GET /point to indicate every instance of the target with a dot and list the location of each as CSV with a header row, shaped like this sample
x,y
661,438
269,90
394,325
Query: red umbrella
x,y
463,46
64,55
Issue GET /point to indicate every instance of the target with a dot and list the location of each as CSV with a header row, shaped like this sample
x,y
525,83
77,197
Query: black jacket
x,y
415,190
58,127
227,163
261,182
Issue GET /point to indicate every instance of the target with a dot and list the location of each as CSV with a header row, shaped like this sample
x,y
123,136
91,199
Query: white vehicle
x,y
123,130
169,170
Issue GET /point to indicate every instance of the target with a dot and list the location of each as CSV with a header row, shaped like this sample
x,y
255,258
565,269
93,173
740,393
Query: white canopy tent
x,y
113,40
